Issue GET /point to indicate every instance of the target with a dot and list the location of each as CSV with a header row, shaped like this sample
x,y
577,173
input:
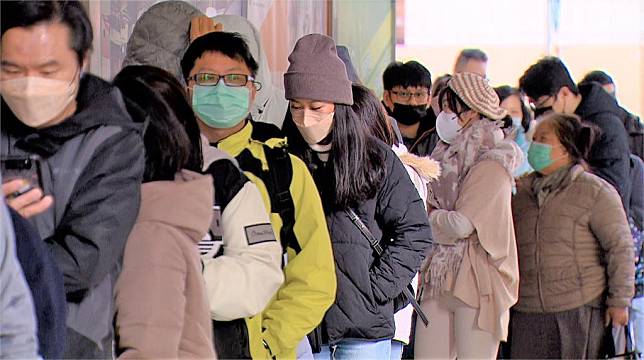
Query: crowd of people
x,y
189,208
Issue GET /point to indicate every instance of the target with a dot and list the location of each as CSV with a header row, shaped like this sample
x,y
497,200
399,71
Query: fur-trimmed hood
x,y
429,169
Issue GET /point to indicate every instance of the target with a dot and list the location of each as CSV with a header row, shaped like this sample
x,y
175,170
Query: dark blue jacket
x,y
46,284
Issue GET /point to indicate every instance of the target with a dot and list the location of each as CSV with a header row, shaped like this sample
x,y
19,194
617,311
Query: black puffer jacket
x,y
609,156
367,285
635,132
426,139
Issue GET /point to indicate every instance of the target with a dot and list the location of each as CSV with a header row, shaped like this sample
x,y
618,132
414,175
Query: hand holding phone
x,y
25,199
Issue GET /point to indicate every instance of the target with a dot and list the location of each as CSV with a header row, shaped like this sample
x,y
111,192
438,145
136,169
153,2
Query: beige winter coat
x,y
574,248
162,308
488,278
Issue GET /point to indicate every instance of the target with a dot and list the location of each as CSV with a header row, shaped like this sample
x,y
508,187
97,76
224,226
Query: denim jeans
x,y
396,349
356,349
637,322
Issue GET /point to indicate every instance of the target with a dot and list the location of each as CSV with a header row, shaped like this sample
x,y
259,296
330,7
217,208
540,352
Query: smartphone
x,y
27,167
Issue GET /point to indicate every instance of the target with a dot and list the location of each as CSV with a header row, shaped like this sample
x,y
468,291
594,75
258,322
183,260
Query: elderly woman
x,y
575,249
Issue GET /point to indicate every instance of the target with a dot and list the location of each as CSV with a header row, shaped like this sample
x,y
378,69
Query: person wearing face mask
x,y
437,87
549,84
219,71
521,121
354,171
406,99
470,280
632,123
575,249
421,171
92,158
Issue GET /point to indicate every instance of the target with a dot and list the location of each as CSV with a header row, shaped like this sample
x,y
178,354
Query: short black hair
x,y
172,138
470,54
68,12
230,44
546,77
391,74
597,76
411,73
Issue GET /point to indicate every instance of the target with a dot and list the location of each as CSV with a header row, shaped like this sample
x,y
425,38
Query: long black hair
x,y
356,159
369,109
172,139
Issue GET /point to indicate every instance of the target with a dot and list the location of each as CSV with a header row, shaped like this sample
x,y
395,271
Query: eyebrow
x,y
8,63
228,70
47,64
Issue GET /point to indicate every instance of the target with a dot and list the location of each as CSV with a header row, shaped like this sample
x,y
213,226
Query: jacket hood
x,y
185,203
595,100
161,37
270,103
429,169
98,104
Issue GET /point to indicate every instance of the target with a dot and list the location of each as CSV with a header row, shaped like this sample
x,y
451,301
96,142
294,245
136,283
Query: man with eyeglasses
x,y
407,98
551,88
219,71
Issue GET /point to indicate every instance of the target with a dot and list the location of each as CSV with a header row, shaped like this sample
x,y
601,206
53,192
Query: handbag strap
x,y
375,245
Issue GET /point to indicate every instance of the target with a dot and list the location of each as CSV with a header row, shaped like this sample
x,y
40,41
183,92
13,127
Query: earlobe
x,y
386,98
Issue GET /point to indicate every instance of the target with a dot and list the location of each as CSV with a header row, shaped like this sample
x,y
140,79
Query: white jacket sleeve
x,y
241,282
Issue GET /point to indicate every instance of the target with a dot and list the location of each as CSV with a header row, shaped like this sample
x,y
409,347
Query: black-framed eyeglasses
x,y
232,80
406,96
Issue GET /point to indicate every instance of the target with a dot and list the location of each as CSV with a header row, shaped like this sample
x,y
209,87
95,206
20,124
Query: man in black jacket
x,y
550,86
632,123
92,159
406,99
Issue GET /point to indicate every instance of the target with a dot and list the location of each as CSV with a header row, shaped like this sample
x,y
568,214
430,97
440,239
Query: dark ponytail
x,y
576,137
585,139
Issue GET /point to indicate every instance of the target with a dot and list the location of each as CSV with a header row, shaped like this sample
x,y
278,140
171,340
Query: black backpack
x,y
277,179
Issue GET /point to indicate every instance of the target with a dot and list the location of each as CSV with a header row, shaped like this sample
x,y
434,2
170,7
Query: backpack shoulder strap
x,y
277,180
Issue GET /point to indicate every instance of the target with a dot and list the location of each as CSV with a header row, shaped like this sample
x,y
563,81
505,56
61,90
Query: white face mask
x,y
35,100
447,126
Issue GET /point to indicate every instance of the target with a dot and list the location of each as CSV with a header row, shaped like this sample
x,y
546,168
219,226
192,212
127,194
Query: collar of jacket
x,y
98,104
595,100
573,173
237,142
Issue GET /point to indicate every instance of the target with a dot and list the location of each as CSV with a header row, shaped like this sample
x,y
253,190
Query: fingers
x,y
13,186
202,25
620,320
31,203
618,317
37,207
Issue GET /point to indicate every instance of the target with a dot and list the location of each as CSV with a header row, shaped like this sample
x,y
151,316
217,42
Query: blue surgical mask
x,y
221,106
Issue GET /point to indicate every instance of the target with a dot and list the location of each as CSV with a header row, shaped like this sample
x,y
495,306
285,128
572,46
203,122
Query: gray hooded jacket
x,y
161,37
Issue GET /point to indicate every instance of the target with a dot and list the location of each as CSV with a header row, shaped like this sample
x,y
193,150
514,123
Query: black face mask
x,y
542,111
408,114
